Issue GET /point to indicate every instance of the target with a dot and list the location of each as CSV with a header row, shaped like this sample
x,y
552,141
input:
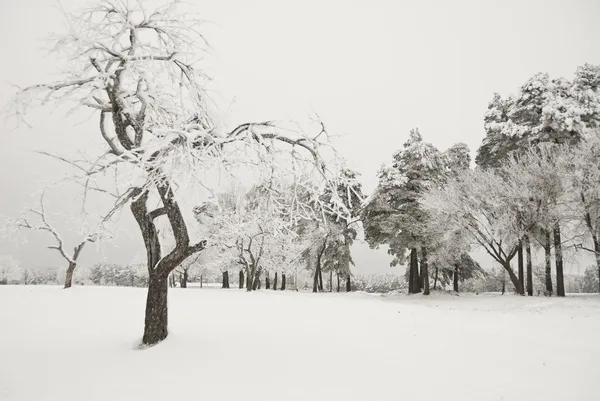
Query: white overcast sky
x,y
371,69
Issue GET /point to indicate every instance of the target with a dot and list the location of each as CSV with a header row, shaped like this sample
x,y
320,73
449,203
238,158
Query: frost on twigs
x,y
139,70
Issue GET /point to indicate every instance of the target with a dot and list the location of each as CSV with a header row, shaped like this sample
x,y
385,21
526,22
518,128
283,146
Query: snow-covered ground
x,y
80,344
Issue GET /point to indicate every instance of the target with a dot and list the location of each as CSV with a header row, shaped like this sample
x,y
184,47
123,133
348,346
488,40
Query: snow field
x,y
81,344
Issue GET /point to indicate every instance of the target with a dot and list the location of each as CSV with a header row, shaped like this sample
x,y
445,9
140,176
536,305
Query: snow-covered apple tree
x,y
137,69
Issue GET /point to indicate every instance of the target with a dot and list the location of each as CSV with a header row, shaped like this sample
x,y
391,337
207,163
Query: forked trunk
x,y
156,323
514,279
69,277
520,266
548,261
72,265
529,266
560,280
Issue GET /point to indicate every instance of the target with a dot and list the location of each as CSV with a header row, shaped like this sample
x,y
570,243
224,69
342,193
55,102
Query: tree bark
x,y
256,283
520,266
275,282
548,261
330,280
321,280
597,254
318,279
529,265
338,281
156,322
184,279
249,279
282,281
348,284
267,281
514,279
69,277
455,279
241,283
503,282
225,279
560,280
424,271
201,280
435,280
414,267
72,265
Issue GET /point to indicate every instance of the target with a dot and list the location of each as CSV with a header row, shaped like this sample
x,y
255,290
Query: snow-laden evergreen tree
x,y
392,215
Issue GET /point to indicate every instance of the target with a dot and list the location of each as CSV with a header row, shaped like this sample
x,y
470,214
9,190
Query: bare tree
x,y
44,225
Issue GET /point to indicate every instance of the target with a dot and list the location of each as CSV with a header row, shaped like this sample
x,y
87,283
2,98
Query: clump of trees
x,y
534,187
137,69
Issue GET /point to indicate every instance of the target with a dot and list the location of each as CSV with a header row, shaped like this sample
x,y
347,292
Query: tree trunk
x,y
421,280
597,254
514,279
338,281
455,279
155,328
414,267
321,280
503,282
267,281
520,267
282,281
184,279
411,275
275,282
256,283
249,280
424,271
224,279
201,280
560,280
529,266
241,283
348,284
548,261
330,280
318,279
435,280
69,277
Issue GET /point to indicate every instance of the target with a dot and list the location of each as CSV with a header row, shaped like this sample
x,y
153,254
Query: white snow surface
x,y
81,345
